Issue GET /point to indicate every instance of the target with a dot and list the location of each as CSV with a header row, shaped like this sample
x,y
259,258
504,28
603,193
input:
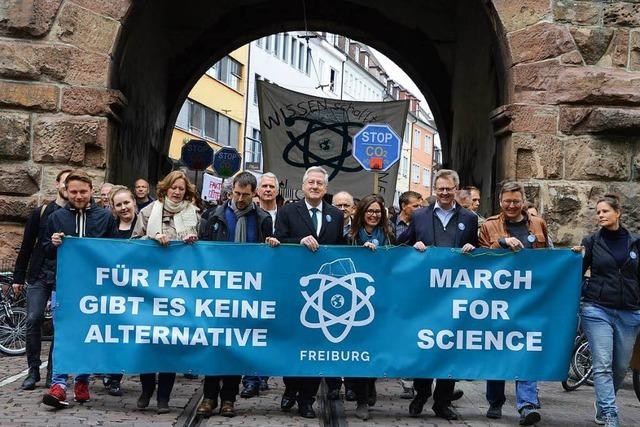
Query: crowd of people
x,y
253,212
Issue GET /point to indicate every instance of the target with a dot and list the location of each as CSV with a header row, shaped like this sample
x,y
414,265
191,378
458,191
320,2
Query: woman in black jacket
x,y
370,228
610,311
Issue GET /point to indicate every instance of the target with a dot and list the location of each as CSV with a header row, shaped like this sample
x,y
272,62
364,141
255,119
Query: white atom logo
x,y
341,272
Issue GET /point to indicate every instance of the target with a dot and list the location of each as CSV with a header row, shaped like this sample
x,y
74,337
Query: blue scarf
x,y
377,236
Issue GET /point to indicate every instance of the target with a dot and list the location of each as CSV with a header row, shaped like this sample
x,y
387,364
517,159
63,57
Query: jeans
x,y
57,378
611,334
38,294
526,393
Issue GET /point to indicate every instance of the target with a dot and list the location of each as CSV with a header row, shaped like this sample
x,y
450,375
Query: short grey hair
x,y
344,193
447,173
316,169
269,175
514,186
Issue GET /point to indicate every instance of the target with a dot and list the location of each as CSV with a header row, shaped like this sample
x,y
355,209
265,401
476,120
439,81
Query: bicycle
x,y
13,321
580,369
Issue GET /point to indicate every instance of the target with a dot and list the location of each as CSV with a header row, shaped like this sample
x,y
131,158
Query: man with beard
x,y
80,217
28,266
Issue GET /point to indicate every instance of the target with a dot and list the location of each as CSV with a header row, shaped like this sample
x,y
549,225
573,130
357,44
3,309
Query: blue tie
x,y
314,218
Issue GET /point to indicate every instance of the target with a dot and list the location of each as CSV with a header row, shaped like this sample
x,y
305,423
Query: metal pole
x,y
375,183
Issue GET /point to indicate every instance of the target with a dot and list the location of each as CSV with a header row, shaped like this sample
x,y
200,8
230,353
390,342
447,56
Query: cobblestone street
x,y
23,408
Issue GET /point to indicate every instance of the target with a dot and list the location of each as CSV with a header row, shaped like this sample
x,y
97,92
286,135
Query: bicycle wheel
x,y
636,382
580,371
13,331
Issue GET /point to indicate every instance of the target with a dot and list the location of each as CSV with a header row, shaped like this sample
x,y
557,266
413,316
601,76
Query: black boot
x,y
33,377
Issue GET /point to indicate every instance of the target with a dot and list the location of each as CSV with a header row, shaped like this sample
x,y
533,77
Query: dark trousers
x,y
38,294
165,384
252,379
228,392
442,393
361,387
304,388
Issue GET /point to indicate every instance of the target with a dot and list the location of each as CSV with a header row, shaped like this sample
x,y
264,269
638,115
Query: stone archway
x,y
89,83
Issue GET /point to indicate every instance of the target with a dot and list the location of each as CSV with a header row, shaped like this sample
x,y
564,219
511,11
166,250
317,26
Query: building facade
x,y
422,148
215,107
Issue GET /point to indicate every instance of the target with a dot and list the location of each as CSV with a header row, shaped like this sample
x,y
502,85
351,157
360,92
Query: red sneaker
x,y
81,392
56,397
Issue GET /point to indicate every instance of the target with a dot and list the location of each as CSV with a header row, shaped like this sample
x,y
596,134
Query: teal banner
x,y
222,309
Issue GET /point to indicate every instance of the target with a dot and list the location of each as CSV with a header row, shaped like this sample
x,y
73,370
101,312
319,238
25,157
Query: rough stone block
x,y
540,41
617,54
91,101
14,139
538,156
525,118
622,14
577,12
592,42
572,58
50,172
591,85
592,158
531,81
516,15
14,208
115,9
570,210
11,237
29,96
27,17
634,57
594,120
19,179
64,139
85,29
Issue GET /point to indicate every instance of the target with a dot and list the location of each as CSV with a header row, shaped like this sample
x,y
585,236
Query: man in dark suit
x,y
442,224
310,222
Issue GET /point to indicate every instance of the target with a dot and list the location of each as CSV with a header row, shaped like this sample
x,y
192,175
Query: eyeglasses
x,y
445,190
372,212
511,202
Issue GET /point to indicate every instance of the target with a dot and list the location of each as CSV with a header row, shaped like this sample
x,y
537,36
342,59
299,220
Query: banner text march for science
x,y
216,308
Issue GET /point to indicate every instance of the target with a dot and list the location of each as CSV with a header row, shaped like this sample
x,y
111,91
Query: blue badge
x,y
531,238
461,226
216,226
328,218
375,242
633,255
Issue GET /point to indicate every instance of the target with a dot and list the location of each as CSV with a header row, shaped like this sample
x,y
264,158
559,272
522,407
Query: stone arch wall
x,y
565,72
571,127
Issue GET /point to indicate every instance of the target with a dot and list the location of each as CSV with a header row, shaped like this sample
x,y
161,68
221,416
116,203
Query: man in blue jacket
x,y
443,224
81,217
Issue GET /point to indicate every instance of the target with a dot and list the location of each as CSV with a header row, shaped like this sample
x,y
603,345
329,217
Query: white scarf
x,y
185,218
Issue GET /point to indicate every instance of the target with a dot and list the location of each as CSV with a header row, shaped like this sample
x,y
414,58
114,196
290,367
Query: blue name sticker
x,y
461,226
328,218
531,238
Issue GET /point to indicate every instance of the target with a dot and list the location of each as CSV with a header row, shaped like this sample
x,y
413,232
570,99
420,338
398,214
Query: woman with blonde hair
x,y
172,217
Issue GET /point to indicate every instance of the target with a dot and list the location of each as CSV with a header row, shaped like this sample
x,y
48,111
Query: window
x,y
276,45
416,138
255,88
254,147
183,116
207,123
259,42
308,61
286,46
268,43
228,71
332,79
294,52
415,173
320,70
427,143
426,177
301,56
404,166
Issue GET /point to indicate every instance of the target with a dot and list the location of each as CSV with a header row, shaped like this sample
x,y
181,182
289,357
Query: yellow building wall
x,y
221,98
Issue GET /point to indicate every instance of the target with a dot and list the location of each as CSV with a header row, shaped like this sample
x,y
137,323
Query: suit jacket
x,y
294,223
422,227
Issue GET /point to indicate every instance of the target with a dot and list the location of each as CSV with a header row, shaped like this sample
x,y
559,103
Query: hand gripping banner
x,y
223,309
